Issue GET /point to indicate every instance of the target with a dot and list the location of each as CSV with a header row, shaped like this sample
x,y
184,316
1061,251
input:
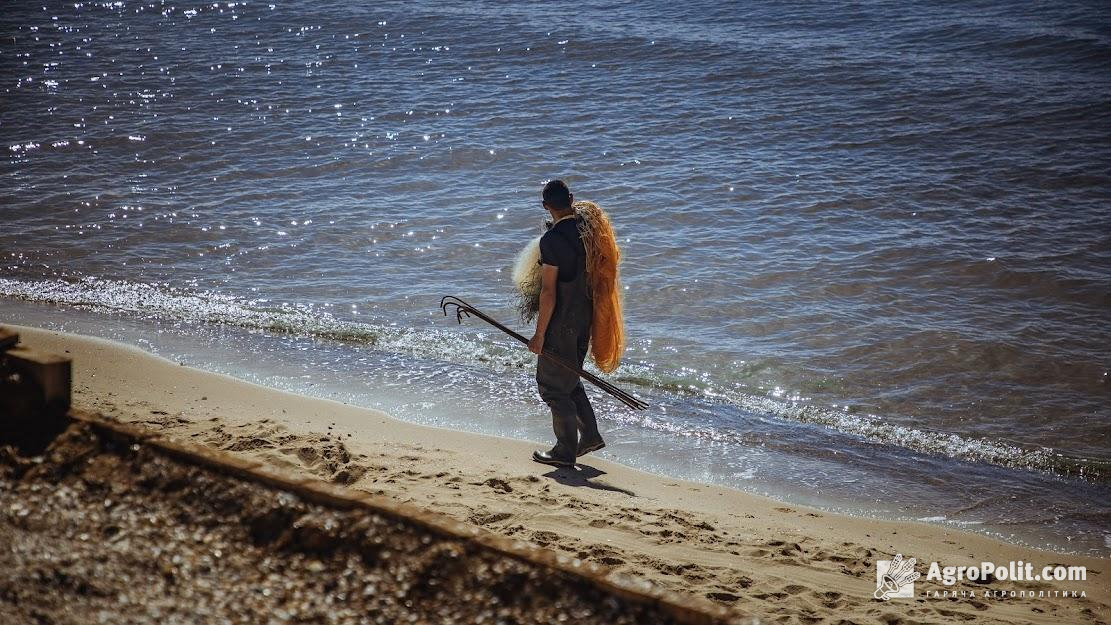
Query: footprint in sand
x,y
544,538
499,485
830,599
249,444
601,555
488,518
857,565
676,569
307,454
350,474
740,581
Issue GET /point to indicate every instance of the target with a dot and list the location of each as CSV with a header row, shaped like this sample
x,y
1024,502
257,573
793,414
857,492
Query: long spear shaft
x,y
463,308
626,398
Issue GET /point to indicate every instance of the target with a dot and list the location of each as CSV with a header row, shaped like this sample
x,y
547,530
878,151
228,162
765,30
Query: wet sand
x,y
784,563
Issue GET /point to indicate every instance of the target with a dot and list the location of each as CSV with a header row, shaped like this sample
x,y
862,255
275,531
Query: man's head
x,y
557,197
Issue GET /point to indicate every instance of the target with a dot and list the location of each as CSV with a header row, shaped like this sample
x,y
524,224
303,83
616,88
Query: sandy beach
x,y
762,558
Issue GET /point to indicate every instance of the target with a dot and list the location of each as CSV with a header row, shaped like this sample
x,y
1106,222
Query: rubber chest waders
x,y
568,336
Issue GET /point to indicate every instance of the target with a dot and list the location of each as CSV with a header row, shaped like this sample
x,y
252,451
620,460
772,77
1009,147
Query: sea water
x,y
866,253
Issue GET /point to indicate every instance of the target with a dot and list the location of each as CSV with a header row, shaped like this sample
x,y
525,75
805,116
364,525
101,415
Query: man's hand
x,y
536,344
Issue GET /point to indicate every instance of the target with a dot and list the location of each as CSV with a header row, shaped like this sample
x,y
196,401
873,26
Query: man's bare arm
x,y
549,275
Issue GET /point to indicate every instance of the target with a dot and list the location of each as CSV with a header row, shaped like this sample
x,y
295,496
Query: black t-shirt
x,y
561,247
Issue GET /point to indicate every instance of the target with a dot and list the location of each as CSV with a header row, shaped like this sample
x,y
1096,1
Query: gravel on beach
x,y
101,531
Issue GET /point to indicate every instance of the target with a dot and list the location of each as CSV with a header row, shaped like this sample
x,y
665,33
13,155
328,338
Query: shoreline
x,y
739,549
790,460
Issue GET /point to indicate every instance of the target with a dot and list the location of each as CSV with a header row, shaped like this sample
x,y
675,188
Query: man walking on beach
x,y
563,330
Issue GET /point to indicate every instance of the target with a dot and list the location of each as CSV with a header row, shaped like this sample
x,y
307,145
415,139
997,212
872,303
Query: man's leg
x,y
586,421
556,386
589,438
563,416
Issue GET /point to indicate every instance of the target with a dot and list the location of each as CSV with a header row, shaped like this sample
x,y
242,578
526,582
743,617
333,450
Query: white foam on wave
x,y
166,302
948,444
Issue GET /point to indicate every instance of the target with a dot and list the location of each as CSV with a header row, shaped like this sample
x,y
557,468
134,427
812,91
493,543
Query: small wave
x,y
167,302
947,444
871,428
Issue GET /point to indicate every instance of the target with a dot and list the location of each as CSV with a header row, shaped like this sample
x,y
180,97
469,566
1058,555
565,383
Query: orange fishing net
x,y
607,332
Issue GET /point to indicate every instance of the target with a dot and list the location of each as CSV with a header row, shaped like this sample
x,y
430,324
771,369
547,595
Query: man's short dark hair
x,y
557,195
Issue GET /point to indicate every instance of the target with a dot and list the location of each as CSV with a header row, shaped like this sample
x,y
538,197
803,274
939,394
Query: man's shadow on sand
x,y
580,476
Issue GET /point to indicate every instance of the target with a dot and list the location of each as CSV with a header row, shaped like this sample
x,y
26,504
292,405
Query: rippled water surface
x,y
867,250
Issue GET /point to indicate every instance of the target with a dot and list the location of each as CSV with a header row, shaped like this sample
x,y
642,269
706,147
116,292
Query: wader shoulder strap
x,y
580,259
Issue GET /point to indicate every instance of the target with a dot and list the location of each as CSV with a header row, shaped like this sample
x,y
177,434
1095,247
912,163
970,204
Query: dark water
x,y
867,248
